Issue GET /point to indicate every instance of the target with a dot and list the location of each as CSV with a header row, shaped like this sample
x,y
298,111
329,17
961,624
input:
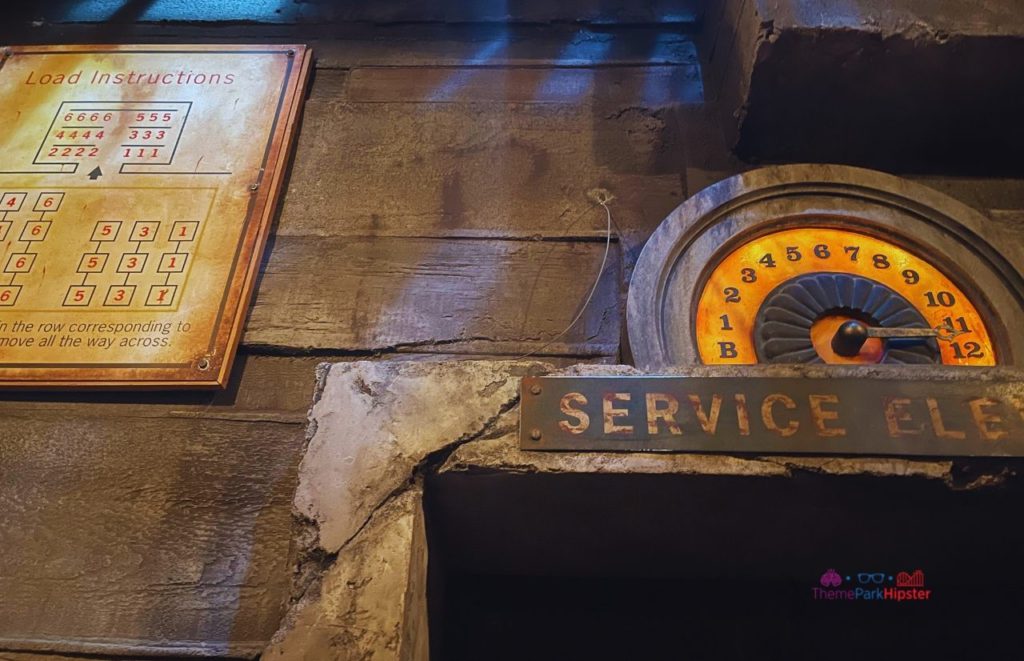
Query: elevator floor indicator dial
x,y
830,265
826,295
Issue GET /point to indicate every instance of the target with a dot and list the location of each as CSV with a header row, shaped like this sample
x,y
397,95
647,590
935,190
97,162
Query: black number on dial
x,y
880,261
793,253
748,275
732,295
767,260
821,251
910,276
961,324
941,299
727,350
973,350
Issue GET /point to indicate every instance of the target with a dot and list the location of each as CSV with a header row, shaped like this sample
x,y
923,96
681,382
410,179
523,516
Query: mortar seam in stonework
x,y
273,349
948,478
985,480
312,426
645,110
309,553
323,371
796,467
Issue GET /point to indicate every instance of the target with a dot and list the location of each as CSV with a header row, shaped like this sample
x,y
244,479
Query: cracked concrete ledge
x,y
375,422
503,454
374,428
377,428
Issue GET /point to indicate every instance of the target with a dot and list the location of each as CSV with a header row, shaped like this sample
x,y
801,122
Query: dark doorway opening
x,y
598,566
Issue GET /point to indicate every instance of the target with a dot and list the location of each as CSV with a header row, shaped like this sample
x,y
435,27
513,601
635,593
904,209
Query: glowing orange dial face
x,y
782,297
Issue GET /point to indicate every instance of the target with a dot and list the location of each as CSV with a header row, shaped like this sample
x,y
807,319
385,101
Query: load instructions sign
x,y
137,185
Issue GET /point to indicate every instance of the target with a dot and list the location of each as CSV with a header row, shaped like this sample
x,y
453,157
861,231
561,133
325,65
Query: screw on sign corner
x,y
203,364
535,434
535,389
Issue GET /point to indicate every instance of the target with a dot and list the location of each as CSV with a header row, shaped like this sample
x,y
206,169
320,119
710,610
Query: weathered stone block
x,y
371,603
374,423
914,85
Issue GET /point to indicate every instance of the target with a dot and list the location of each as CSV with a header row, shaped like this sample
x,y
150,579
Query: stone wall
x,y
383,433
440,207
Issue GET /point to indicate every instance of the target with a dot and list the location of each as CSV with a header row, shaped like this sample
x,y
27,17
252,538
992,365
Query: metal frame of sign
x,y
210,161
771,415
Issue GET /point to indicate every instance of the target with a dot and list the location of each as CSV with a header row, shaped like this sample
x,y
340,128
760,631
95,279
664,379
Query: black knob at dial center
x,y
849,338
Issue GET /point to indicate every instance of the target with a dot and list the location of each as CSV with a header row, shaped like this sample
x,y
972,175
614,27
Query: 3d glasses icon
x,y
872,577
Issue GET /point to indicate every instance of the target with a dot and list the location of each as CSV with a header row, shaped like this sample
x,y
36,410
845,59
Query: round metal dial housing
x,y
768,266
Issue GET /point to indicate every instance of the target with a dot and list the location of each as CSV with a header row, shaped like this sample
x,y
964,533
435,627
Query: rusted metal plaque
x,y
773,415
136,189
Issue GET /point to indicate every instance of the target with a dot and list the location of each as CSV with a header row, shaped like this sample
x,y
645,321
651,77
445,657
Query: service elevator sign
x,y
773,415
136,188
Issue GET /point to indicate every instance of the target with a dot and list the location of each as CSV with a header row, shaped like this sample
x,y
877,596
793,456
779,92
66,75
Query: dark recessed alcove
x,y
527,566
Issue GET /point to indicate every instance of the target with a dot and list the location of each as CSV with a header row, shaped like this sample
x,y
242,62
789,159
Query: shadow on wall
x,y
335,11
495,151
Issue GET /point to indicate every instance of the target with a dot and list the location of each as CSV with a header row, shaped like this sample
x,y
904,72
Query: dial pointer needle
x,y
851,335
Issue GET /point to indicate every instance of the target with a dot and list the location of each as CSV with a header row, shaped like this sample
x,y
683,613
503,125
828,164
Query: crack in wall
x,y
565,350
313,561
957,476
